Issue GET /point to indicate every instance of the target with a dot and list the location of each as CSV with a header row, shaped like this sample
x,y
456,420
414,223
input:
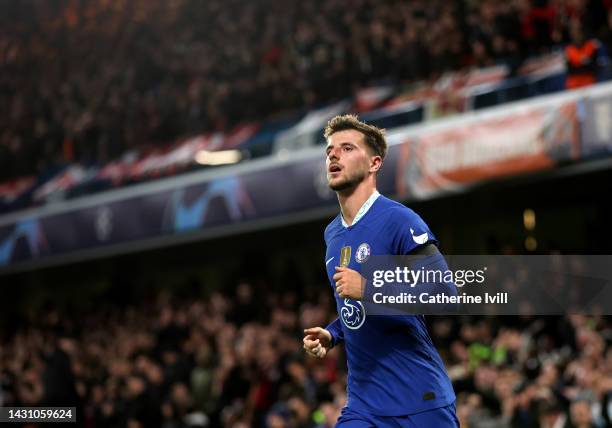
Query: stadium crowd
x,y
236,360
86,80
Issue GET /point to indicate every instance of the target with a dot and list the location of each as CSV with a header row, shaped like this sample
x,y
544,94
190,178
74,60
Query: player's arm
x,y
335,329
413,246
414,240
429,258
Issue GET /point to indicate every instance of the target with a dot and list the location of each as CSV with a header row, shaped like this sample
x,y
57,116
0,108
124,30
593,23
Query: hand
x,y
349,283
317,341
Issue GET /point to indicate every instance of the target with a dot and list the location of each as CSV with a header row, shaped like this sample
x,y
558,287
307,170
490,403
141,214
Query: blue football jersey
x,y
393,367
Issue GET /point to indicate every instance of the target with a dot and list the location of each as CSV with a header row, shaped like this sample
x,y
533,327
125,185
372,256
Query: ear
x,y
375,163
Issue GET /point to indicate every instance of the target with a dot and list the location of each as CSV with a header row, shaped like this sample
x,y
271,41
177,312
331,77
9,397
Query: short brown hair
x,y
374,137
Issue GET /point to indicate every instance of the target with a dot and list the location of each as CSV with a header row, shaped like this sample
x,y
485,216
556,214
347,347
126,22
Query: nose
x,y
332,155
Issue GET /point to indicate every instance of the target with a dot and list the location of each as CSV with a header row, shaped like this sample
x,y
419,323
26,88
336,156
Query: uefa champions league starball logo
x,y
353,314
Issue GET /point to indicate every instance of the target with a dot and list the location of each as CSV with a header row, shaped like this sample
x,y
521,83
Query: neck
x,y
351,200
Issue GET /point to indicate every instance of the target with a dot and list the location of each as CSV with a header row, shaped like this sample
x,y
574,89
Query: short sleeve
x,y
408,231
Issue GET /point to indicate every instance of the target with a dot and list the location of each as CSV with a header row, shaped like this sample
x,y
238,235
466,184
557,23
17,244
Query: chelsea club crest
x,y
362,253
353,314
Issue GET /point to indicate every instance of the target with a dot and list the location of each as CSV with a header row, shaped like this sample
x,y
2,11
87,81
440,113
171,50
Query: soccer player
x,y
396,377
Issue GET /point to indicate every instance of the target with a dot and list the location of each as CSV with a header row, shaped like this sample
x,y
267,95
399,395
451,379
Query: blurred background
x,y
163,198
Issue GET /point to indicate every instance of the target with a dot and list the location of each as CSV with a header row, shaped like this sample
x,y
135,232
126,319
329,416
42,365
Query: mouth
x,y
334,168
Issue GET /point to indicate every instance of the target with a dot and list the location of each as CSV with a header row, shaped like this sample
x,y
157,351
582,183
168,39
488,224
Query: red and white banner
x,y
367,99
452,157
68,178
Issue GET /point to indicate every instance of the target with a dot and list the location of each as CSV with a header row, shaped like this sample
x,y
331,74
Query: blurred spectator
x,y
581,416
582,57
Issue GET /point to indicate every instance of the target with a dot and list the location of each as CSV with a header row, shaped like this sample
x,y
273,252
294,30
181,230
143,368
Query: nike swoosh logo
x,y
420,239
327,262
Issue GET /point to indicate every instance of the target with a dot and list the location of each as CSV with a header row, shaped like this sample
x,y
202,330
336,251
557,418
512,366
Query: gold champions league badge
x,y
345,256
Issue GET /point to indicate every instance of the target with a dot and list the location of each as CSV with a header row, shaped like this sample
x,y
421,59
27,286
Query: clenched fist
x,y
349,283
317,341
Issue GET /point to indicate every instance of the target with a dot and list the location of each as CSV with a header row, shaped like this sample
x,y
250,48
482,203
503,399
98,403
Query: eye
x,y
347,148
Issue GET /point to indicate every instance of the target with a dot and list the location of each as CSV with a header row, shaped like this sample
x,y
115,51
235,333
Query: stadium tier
x,y
447,156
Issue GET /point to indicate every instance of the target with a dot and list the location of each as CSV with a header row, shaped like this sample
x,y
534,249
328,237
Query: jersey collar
x,y
363,210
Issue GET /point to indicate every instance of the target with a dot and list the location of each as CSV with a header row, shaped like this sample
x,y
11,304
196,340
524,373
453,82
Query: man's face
x,y
576,33
581,413
348,159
